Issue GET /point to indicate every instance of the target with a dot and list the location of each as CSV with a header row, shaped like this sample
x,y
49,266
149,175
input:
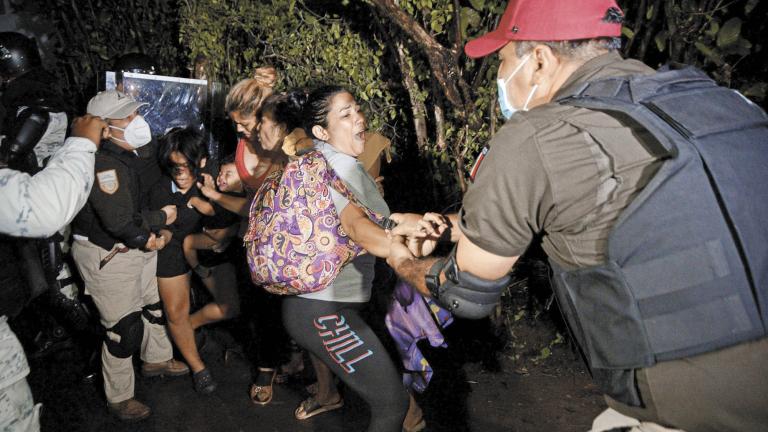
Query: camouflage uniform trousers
x,y
18,412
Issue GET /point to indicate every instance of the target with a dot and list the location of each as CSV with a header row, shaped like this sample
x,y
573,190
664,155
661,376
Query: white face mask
x,y
507,109
136,134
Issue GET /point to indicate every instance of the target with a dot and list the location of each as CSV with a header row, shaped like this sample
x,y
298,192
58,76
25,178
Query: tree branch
x,y
418,109
441,59
138,32
636,28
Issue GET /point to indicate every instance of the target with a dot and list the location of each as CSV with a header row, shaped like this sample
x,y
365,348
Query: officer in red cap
x,y
562,175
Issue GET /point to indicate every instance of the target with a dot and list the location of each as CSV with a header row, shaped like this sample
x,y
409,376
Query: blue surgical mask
x,y
507,109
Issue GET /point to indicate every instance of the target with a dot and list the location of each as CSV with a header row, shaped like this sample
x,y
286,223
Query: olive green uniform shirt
x,y
547,174
565,174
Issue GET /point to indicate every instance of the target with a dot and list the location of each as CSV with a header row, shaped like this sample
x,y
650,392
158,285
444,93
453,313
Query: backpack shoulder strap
x,y
316,162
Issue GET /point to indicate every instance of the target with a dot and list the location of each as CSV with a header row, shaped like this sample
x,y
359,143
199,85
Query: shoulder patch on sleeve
x,y
108,181
476,167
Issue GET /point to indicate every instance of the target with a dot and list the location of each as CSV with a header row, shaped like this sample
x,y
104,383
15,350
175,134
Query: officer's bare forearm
x,y
413,271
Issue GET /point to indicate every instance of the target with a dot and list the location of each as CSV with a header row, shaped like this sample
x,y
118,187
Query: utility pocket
x,y
607,316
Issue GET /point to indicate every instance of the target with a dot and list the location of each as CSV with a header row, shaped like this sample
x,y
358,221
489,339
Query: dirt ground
x,y
535,383
514,373
506,391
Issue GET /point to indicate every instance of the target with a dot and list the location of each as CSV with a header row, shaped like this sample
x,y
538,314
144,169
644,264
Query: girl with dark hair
x,y
182,156
333,118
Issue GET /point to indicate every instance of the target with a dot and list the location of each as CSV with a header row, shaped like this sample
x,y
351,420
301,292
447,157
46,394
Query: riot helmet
x,y
135,63
18,55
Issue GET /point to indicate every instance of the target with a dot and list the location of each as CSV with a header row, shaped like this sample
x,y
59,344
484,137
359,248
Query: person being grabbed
x,y
334,119
182,155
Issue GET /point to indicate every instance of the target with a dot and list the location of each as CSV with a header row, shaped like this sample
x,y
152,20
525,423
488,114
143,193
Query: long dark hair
x,y
189,142
285,108
318,104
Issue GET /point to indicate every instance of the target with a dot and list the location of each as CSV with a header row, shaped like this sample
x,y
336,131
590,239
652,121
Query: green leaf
x,y
544,354
742,48
756,91
627,32
710,53
558,339
661,40
751,4
712,30
730,32
469,17
478,5
649,12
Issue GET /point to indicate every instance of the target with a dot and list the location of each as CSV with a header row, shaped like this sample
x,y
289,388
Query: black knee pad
x,y
130,330
147,310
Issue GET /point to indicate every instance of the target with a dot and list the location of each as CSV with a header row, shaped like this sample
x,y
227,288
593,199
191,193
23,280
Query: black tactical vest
x,y
686,268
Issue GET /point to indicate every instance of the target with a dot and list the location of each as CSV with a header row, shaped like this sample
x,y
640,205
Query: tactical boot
x,y
129,410
171,367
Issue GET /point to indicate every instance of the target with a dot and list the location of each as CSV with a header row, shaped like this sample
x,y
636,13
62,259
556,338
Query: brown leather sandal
x,y
262,394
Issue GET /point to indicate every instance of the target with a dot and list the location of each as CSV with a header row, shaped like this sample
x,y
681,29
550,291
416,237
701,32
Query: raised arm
x,y
237,205
40,205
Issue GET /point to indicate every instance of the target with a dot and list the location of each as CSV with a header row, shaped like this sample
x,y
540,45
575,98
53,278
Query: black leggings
x,y
337,335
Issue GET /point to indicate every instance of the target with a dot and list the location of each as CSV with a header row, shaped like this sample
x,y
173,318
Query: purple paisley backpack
x,y
295,243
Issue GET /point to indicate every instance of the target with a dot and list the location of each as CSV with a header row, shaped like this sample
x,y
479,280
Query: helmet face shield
x,y
134,63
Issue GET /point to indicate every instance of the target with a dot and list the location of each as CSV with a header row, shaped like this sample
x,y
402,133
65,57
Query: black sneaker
x,y
204,383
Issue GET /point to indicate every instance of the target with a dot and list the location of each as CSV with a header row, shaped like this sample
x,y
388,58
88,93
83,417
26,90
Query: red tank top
x,y
249,181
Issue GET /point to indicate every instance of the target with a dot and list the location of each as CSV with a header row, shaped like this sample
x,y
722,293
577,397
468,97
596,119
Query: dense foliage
x,y
88,36
306,47
402,58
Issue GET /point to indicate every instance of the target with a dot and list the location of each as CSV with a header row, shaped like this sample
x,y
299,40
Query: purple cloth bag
x,y
411,318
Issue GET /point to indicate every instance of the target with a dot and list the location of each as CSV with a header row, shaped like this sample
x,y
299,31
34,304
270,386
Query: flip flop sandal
x,y
310,407
262,394
418,427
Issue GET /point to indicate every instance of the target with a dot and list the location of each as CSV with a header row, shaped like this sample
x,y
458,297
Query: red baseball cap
x,y
547,20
